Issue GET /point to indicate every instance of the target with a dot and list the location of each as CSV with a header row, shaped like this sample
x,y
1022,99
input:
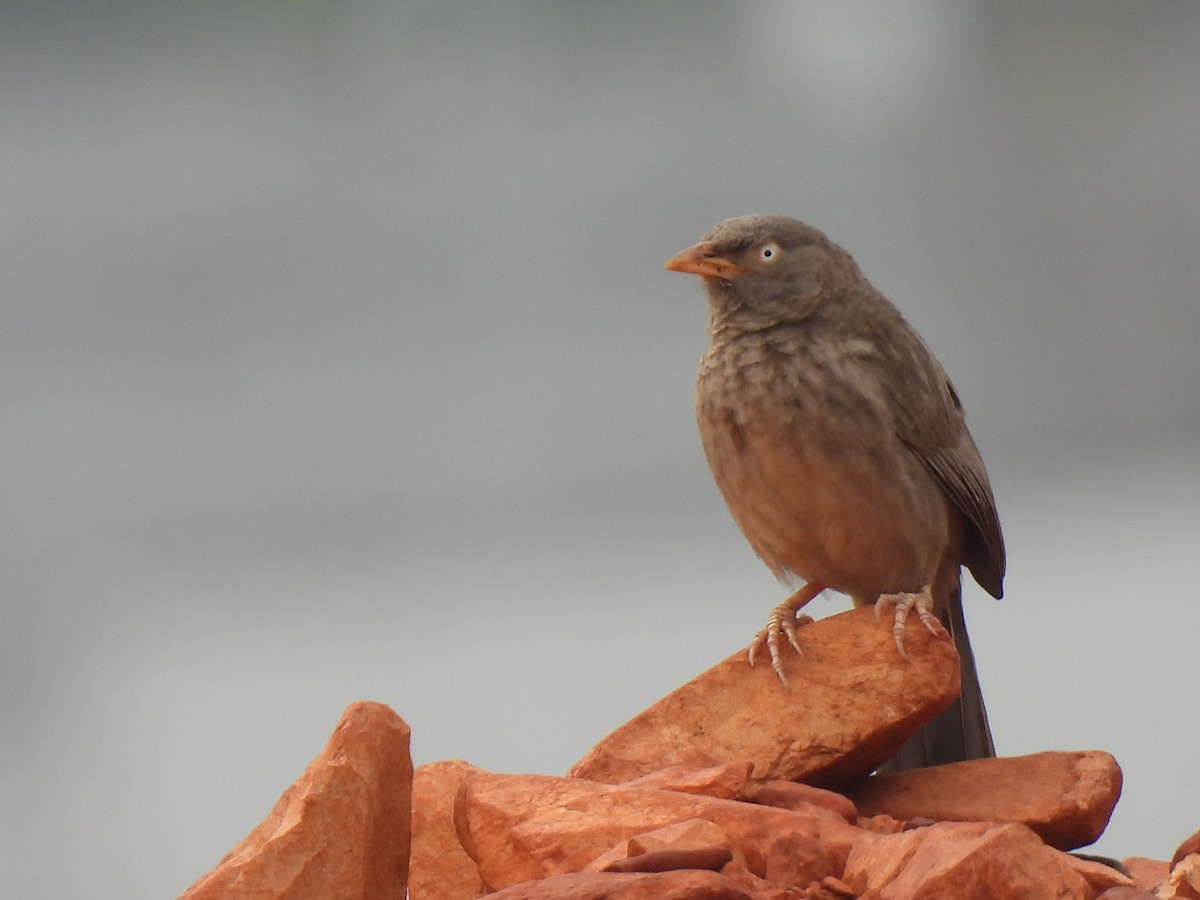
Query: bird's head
x,y
760,270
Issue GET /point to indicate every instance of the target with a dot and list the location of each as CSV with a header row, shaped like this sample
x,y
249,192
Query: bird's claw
x,y
905,603
783,621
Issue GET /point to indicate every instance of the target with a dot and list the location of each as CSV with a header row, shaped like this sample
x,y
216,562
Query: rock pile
x,y
730,787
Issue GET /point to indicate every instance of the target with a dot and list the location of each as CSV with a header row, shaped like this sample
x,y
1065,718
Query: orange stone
x,y
726,781
1187,848
851,703
1184,881
1147,874
525,827
677,885
799,798
955,860
440,868
340,830
1067,798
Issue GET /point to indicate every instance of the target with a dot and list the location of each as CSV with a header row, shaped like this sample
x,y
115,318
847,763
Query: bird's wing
x,y
929,420
960,472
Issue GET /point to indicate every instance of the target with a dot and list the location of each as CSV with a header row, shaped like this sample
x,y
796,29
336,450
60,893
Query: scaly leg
x,y
783,621
905,603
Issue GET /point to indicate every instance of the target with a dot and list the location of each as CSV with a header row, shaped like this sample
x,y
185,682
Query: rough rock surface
x,y
439,868
523,827
799,798
851,703
1147,874
340,830
1184,881
681,885
726,781
954,860
692,836
1067,798
1187,848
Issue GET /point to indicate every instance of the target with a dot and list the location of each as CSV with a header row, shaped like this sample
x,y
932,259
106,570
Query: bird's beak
x,y
703,260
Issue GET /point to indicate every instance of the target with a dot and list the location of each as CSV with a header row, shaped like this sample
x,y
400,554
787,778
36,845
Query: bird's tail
x,y
961,730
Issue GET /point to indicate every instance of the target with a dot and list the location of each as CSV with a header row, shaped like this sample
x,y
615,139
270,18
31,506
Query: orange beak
x,y
703,260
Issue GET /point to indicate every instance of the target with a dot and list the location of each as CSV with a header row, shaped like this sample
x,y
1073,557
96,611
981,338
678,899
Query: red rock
x,y
679,885
799,798
726,781
524,827
1184,881
882,824
1147,873
796,860
832,888
698,842
690,835
1099,876
439,868
340,830
956,860
712,858
1127,893
851,703
1067,798
1187,848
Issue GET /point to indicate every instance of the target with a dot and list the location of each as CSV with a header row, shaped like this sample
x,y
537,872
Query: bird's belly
x,y
857,515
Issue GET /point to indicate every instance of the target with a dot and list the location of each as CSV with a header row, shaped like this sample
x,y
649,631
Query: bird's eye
x,y
768,252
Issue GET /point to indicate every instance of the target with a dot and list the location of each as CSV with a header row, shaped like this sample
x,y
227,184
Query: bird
x,y
840,447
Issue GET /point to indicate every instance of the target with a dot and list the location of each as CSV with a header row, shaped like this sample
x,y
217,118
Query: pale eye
x,y
769,252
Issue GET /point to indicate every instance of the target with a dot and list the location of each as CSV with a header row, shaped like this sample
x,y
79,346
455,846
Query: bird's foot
x,y
783,622
905,603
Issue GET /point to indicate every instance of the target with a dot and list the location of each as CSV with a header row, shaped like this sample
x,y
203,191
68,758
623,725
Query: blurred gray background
x,y
339,363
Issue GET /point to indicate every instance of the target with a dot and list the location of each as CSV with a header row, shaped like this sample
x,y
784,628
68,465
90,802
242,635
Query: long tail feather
x,y
960,731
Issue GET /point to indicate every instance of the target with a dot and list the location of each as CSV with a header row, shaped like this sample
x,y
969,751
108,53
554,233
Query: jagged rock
x,y
439,868
523,827
714,859
799,798
1184,881
953,860
830,888
1147,874
688,836
692,843
1099,876
1067,798
726,781
882,824
852,702
796,860
1187,848
677,885
340,830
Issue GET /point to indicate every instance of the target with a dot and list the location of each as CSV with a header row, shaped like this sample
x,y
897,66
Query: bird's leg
x,y
905,603
783,621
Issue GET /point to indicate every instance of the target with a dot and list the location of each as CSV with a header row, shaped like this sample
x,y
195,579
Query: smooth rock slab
x,y
852,702
1067,798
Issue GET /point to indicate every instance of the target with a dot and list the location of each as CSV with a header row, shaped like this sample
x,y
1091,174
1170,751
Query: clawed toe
x,y
905,603
782,622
